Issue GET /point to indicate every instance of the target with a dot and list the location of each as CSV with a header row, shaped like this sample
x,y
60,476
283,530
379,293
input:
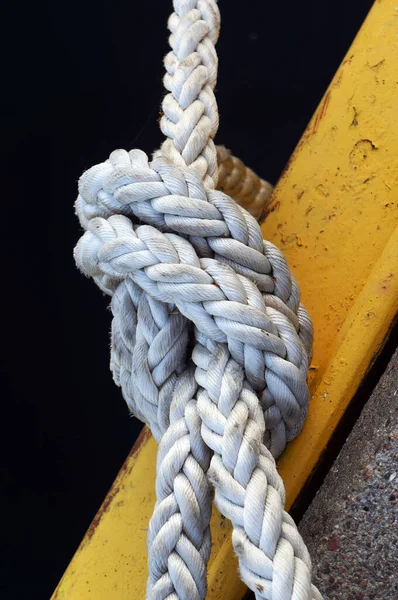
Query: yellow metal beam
x,y
334,213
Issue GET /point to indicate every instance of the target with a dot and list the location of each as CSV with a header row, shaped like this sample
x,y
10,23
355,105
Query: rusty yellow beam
x,y
334,213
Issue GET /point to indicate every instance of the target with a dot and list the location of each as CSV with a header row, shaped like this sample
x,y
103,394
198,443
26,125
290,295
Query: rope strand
x,y
242,184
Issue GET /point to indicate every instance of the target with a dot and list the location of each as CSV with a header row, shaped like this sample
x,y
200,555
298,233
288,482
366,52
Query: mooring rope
x,y
210,344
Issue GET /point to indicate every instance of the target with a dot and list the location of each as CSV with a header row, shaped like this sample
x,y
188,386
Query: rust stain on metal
x,y
287,167
124,471
339,78
321,112
269,208
354,122
377,65
361,151
142,438
103,509
348,60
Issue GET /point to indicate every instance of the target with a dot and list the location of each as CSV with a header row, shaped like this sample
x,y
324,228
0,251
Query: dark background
x,y
79,80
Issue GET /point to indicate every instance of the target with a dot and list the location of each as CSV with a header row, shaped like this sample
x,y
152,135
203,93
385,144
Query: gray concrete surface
x,y
351,527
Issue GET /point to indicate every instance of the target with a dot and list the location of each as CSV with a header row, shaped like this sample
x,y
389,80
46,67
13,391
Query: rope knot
x,y
209,344
204,254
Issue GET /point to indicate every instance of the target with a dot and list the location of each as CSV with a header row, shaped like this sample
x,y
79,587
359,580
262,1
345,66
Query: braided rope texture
x,y
242,184
187,266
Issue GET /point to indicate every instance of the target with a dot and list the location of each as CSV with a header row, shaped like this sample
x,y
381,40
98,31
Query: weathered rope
x,y
197,268
242,184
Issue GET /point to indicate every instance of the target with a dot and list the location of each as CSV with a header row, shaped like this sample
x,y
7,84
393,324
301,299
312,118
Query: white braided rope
x,y
190,119
205,263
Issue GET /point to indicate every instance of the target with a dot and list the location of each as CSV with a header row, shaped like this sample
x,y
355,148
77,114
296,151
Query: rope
x,y
184,264
242,184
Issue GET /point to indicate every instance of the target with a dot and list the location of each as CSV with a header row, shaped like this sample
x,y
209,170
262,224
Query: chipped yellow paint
x,y
334,214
